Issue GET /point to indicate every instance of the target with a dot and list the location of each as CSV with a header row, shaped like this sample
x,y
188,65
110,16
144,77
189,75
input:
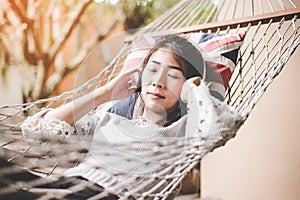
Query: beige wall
x,y
263,161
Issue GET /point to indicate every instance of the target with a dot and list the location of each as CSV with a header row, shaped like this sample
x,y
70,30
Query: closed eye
x,y
151,68
173,76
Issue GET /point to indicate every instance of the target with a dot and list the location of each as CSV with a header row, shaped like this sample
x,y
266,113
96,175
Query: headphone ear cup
x,y
204,70
135,79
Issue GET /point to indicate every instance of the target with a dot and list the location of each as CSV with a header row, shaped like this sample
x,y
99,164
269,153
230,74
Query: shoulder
x,y
124,107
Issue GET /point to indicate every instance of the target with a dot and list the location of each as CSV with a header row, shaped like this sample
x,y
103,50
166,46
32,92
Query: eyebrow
x,y
170,66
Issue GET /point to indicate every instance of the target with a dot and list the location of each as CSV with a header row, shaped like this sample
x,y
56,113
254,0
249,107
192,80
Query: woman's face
x,y
162,80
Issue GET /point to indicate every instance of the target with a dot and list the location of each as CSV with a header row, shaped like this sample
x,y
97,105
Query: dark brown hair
x,y
184,52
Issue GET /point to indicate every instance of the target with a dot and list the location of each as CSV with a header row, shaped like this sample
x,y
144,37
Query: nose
x,y
158,80
157,84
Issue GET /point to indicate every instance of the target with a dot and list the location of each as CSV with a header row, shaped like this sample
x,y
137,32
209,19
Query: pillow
x,y
220,52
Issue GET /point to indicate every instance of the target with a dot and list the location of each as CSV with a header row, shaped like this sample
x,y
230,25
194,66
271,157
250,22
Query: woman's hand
x,y
120,86
188,86
117,88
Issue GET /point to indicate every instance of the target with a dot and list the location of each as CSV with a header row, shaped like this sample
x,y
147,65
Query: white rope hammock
x,y
272,28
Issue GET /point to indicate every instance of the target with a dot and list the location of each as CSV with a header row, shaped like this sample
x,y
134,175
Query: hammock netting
x,y
272,28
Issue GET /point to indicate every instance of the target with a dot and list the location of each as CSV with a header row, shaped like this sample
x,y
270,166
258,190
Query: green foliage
x,y
140,13
158,7
135,13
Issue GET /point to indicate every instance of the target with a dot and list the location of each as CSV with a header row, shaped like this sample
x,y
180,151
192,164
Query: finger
x,y
132,84
131,90
132,87
132,70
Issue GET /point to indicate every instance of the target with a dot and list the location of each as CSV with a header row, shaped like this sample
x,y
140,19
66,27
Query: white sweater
x,y
120,150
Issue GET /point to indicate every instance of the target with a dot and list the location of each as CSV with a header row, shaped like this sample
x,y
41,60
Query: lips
x,y
156,95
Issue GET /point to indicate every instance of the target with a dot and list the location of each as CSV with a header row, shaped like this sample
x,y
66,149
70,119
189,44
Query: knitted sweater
x,y
113,164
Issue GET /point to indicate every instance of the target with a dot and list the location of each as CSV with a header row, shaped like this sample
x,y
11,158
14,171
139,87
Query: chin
x,y
157,108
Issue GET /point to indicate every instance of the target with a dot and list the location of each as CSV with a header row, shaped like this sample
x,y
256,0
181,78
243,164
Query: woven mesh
x,y
267,47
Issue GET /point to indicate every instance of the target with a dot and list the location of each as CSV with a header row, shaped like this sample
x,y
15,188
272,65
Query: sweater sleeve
x,y
48,134
209,120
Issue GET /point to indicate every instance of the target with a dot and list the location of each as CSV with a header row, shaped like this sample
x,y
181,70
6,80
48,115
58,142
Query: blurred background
x,y
261,162
45,43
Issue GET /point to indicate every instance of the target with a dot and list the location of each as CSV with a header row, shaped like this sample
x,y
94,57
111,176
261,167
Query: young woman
x,y
170,101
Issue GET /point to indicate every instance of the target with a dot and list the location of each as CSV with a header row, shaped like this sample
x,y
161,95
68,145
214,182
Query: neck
x,y
158,118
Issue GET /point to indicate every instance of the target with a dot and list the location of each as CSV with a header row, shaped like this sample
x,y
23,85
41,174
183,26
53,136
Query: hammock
x,y
272,35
